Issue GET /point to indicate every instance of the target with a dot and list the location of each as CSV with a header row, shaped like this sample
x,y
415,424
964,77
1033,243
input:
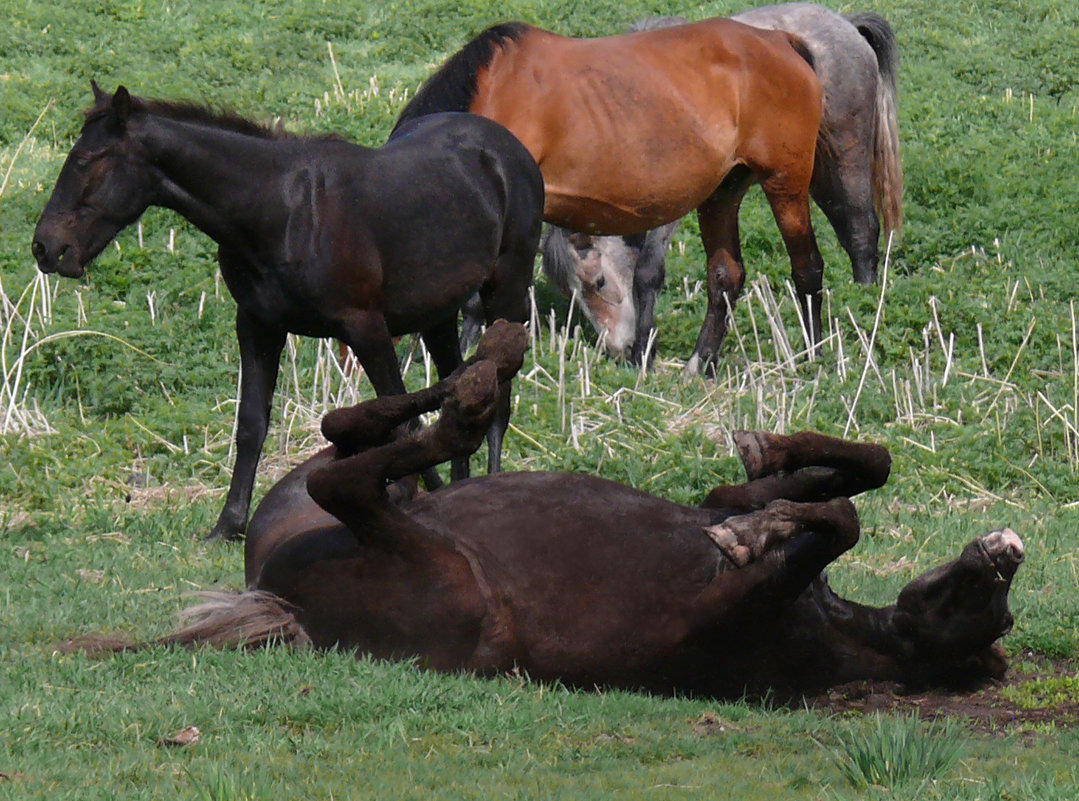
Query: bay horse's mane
x,y
187,111
453,87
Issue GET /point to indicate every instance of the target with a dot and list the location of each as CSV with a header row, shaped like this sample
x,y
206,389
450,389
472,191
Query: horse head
x,y
954,614
102,188
599,270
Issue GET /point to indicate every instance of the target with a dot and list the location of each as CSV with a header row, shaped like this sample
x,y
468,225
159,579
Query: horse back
x,y
689,102
417,226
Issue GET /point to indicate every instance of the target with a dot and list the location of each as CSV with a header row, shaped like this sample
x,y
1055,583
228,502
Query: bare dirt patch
x,y
987,709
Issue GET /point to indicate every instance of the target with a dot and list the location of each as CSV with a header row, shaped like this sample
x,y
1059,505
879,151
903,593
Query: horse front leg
x,y
649,276
260,356
774,554
442,343
790,207
718,218
801,467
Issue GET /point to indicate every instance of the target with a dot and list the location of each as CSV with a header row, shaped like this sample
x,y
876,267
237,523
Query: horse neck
x,y
214,177
864,638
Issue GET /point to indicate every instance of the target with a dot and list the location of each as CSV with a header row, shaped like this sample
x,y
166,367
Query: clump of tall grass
x,y
898,750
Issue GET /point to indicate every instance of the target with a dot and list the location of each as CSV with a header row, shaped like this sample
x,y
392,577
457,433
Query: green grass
x,y
118,458
897,751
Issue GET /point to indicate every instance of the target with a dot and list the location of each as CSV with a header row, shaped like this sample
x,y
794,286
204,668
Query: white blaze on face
x,y
604,274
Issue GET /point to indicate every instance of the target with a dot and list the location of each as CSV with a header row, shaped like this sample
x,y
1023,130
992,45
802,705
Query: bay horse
x,y
634,131
316,236
583,580
857,177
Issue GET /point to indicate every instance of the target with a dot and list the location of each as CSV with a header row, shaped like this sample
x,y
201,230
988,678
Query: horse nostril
x,y
39,250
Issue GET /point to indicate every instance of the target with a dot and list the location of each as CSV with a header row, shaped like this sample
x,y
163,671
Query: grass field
x,y
118,395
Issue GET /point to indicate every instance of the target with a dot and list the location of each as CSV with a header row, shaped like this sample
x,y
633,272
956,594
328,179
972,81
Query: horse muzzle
x,y
62,258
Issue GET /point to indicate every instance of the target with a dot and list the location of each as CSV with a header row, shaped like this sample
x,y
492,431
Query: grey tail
x,y
887,167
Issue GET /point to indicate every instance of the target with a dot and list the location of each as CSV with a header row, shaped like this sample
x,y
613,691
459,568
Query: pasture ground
x,y
117,400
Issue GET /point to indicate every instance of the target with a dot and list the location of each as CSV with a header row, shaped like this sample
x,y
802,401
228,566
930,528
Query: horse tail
x,y
887,167
223,620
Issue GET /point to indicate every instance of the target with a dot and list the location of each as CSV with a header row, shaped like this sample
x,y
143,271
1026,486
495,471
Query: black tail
x,y
876,30
453,87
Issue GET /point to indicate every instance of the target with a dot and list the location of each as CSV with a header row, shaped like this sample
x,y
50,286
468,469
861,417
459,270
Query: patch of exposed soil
x,y
986,709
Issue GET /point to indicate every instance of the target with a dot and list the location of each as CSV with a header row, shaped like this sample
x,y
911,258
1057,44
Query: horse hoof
x,y
503,343
692,369
748,446
224,531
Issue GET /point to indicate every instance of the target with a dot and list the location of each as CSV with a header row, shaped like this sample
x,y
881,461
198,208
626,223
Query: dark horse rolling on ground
x,y
316,236
856,177
634,131
573,577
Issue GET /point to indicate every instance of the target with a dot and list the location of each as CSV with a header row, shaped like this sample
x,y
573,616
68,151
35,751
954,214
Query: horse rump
x,y
247,619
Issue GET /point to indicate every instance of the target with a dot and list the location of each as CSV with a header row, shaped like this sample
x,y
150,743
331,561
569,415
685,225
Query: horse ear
x,y
98,92
121,106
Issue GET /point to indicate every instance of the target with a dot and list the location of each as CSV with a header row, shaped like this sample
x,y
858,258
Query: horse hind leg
x,y
790,207
374,422
843,189
354,489
442,343
505,297
503,345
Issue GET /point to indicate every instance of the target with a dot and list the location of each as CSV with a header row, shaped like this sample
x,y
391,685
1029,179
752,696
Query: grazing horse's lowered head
x,y
572,577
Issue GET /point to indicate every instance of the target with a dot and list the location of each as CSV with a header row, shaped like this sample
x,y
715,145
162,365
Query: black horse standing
x,y
316,236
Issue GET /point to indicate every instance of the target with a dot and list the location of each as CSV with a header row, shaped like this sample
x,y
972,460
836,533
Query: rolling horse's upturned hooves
x,y
504,344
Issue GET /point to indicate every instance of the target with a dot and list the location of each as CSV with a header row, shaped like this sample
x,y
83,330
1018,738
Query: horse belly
x,y
375,600
627,138
595,581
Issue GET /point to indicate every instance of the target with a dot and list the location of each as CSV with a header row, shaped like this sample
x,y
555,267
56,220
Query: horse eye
x,y
600,282
82,162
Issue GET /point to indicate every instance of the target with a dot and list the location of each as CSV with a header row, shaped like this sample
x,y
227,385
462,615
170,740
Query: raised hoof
x,y
467,413
759,452
748,538
727,542
503,344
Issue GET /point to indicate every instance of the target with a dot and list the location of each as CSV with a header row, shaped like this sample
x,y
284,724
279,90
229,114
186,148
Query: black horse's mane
x,y
186,111
453,87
